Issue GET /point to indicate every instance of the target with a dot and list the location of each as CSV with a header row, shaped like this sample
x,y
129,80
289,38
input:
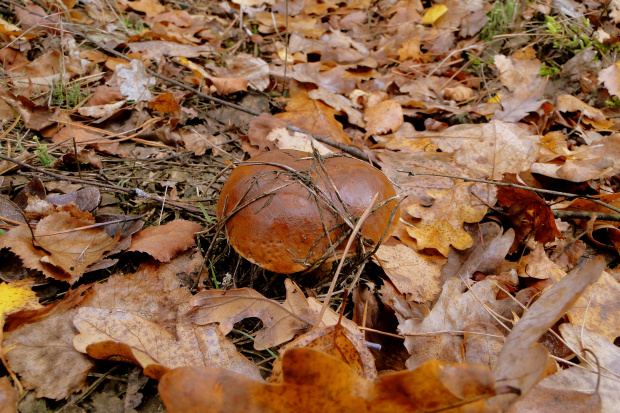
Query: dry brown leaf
x,y
253,70
598,309
58,254
43,354
438,336
442,221
283,139
45,359
339,103
414,274
384,117
165,104
35,116
150,7
281,322
107,333
491,149
337,342
575,389
8,396
318,383
610,77
486,256
522,360
314,116
537,265
569,103
519,74
483,342
529,213
164,242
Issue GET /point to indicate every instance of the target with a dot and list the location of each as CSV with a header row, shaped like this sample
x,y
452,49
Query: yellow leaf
x,y
434,13
496,99
15,297
442,222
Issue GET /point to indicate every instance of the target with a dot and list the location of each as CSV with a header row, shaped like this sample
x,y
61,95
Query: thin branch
x,y
511,185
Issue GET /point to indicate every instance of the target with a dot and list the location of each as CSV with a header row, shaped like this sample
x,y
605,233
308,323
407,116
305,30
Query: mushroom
x,y
288,211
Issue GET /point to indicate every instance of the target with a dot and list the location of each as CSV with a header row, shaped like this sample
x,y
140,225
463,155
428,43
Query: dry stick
x,y
351,150
352,237
511,185
135,192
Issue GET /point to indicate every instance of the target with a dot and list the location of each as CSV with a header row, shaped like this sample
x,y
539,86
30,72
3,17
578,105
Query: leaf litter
x,y
497,123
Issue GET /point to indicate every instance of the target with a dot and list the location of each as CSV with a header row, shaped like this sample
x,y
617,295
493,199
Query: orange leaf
x,y
318,383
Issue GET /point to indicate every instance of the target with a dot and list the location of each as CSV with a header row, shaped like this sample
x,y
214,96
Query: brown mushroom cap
x,y
277,208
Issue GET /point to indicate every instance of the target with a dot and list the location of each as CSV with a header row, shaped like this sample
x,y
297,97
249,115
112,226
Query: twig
x,y
511,185
352,237
600,216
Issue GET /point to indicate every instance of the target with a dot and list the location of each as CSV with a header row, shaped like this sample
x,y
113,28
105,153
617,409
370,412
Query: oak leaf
x,y
108,333
42,352
335,341
438,336
63,247
412,273
384,117
577,389
281,322
491,149
314,382
442,222
529,214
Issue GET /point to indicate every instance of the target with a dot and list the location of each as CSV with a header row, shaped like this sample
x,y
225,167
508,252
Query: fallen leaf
x,y
108,333
42,352
442,221
281,322
569,103
529,214
384,117
314,116
318,383
337,342
522,359
150,7
45,359
438,336
414,274
164,242
35,116
577,388
8,396
164,104
433,13
61,249
491,149
598,309
610,77
537,265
